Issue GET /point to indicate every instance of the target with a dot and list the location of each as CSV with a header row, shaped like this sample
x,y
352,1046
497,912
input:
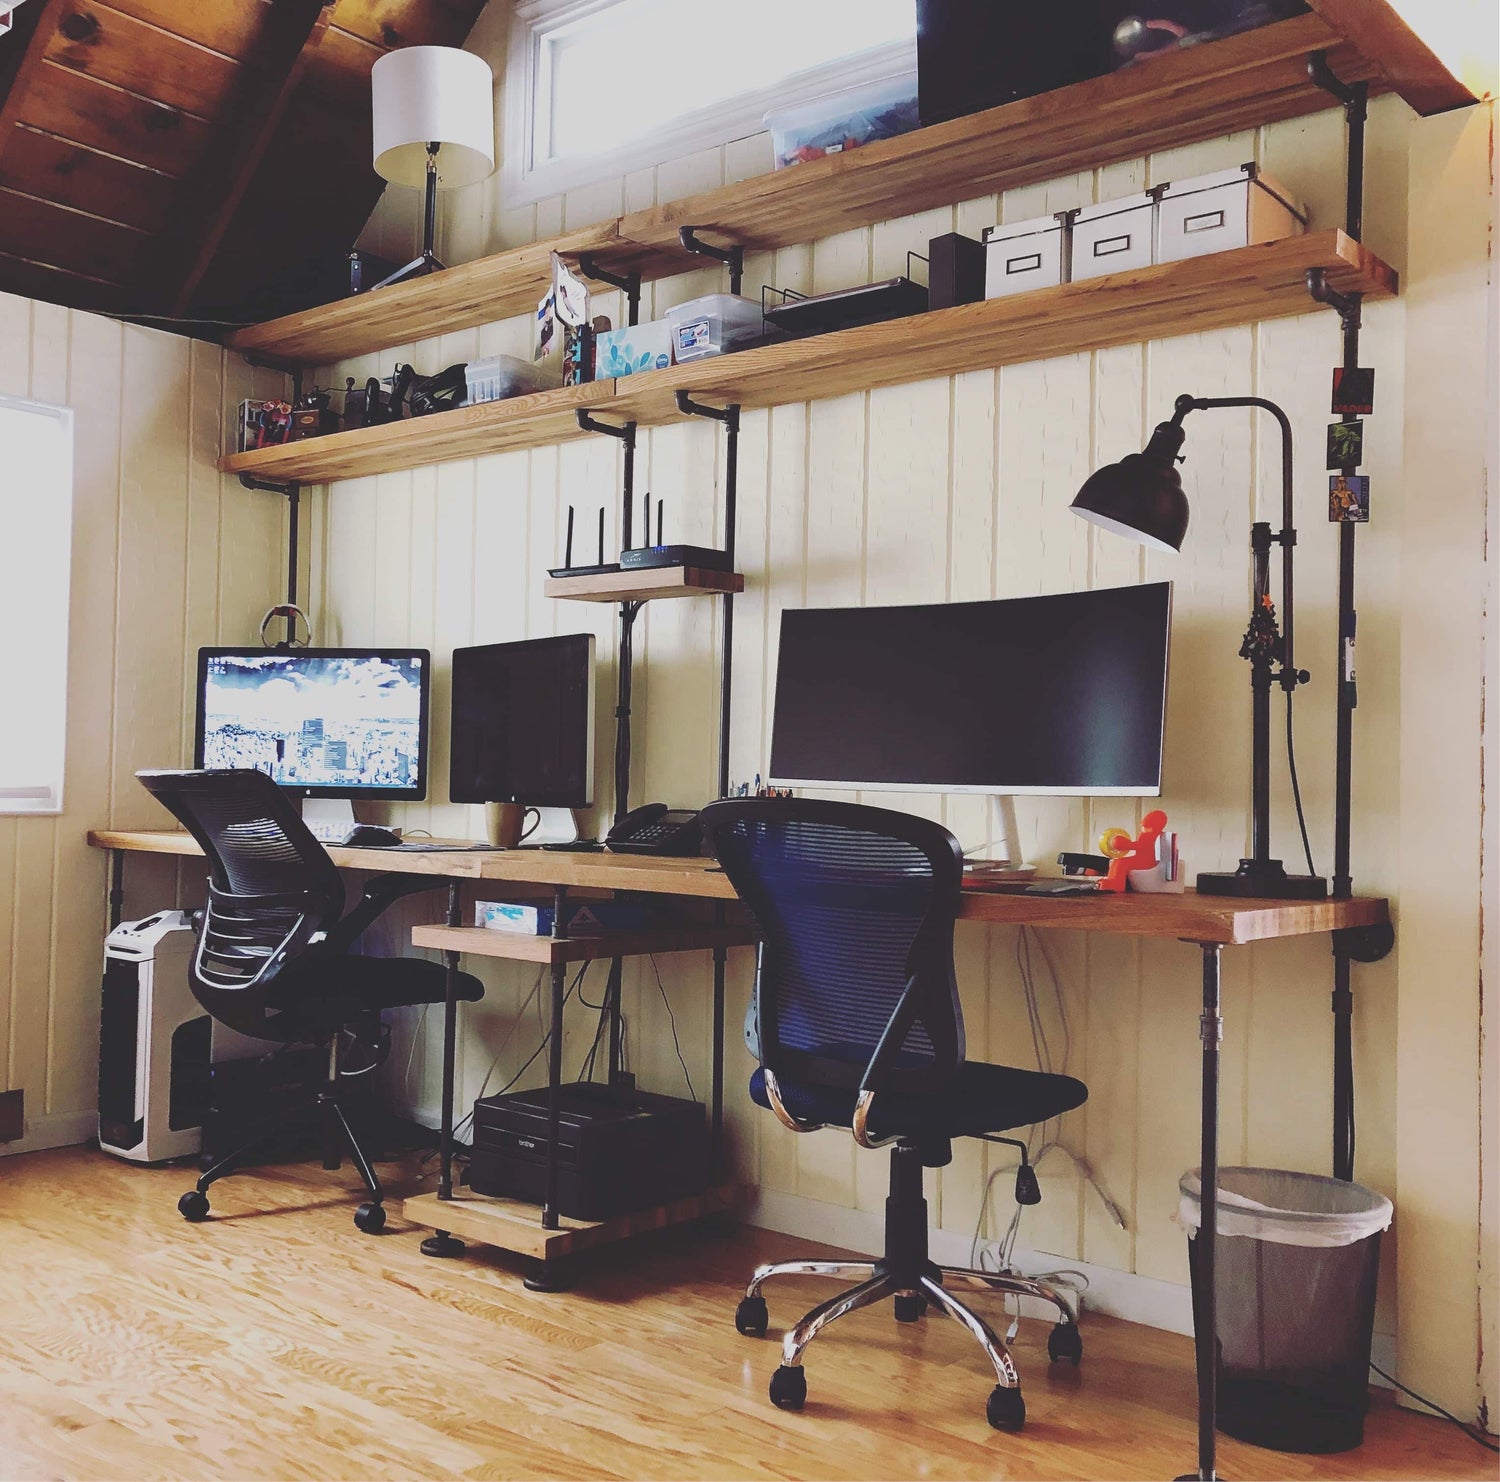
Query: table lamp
x,y
1141,497
427,102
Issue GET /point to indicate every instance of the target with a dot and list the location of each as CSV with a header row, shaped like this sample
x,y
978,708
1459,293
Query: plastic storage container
x,y
497,377
713,325
1297,1259
844,120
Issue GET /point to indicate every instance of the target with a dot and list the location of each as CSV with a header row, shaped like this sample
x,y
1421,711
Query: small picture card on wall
x,y
1349,499
1346,444
1353,391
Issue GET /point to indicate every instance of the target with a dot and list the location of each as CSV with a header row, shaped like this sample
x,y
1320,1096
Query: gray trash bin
x,y
1297,1260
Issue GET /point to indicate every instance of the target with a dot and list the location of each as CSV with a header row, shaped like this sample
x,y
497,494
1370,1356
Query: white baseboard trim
x,y
61,1130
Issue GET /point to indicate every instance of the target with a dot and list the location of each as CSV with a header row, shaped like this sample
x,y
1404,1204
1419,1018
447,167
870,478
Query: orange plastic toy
x,y
1127,854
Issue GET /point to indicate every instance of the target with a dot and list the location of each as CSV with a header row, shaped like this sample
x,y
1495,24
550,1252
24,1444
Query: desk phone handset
x,y
657,829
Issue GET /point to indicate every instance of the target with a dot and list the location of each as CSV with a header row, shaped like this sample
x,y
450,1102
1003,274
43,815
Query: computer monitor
x,y
1043,695
323,722
523,723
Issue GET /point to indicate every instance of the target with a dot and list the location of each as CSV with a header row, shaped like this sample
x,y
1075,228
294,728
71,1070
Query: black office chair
x,y
859,1026
273,959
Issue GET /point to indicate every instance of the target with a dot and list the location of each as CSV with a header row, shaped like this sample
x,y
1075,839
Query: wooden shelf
x,y
481,941
1195,93
644,586
514,1225
1229,288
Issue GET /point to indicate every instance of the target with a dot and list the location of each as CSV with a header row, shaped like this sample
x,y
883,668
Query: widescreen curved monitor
x,y
322,722
1049,695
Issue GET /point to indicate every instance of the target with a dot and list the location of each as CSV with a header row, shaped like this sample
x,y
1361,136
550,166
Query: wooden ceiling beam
x,y
297,28
42,20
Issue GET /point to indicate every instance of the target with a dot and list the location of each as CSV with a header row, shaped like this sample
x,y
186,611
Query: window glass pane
x,y
619,74
36,496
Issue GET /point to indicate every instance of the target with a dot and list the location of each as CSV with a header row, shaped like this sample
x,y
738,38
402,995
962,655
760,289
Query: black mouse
x,y
371,836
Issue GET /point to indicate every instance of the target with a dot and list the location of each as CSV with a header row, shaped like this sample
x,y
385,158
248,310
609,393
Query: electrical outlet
x,y
12,1116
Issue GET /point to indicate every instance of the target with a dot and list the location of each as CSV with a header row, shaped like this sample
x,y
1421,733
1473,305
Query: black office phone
x,y
657,829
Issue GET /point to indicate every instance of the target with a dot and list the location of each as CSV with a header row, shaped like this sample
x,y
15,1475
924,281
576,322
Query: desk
x,y
1209,923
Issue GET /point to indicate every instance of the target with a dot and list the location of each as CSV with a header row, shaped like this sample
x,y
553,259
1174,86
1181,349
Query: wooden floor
x,y
277,1341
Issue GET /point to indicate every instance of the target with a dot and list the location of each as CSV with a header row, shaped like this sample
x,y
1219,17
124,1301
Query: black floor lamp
x,y
429,102
1142,497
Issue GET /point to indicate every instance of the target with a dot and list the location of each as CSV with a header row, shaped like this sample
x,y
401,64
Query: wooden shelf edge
x,y
482,941
636,586
514,1225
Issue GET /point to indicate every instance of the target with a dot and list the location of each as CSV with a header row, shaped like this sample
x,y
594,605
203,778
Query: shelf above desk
x,y
649,585
1194,93
481,941
1230,288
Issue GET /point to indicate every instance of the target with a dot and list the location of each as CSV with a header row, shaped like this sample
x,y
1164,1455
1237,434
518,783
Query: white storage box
x,y
713,325
1230,208
497,377
1026,254
1114,236
844,120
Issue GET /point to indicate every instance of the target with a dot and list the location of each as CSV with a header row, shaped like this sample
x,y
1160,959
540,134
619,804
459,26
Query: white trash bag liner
x,y
1287,1208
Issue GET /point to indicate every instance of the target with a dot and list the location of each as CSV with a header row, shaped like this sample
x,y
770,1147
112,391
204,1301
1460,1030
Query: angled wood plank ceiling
x,y
182,158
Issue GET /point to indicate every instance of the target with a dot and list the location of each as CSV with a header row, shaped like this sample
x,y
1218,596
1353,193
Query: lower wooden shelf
x,y
514,946
645,586
515,1225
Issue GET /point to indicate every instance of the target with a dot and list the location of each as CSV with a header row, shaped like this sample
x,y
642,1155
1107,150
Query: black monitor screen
x,y
523,723
324,722
1058,694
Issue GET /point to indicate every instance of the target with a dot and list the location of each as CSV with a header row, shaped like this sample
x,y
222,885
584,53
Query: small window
x,y
598,87
36,523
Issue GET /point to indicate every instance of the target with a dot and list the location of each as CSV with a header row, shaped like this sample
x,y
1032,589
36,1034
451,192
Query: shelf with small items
x,y
1243,286
1238,82
644,586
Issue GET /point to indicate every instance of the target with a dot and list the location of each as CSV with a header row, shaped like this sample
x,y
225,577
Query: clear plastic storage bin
x,y
844,120
497,377
713,325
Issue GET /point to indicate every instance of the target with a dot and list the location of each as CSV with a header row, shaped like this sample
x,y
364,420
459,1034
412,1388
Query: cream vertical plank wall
x,y
167,555
958,489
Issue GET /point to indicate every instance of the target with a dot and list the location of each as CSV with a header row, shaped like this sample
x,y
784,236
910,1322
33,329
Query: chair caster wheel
x,y
910,1307
1006,1410
751,1318
193,1206
370,1218
1065,1342
789,1388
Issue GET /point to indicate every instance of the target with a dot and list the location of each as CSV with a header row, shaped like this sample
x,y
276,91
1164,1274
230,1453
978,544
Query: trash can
x,y
1297,1258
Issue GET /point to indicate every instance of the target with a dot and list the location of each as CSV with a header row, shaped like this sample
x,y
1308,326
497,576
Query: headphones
x,y
286,610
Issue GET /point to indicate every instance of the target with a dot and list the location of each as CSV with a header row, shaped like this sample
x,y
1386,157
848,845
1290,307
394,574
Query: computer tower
x,y
155,1042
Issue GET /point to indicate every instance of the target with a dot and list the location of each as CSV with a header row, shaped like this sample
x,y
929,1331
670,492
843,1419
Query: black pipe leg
x,y
440,1243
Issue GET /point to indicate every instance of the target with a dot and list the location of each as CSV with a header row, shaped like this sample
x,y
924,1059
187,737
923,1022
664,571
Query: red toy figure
x,y
1127,854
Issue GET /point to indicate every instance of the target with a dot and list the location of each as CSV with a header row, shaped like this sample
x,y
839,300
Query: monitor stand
x,y
1004,842
557,826
330,819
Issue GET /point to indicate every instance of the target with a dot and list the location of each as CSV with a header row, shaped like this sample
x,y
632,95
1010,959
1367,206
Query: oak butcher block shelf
x,y
1230,288
514,946
1195,93
648,585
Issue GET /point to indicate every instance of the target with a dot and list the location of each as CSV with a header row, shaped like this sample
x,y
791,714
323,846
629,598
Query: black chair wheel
x,y
910,1307
789,1388
751,1318
370,1218
1065,1342
193,1206
1006,1410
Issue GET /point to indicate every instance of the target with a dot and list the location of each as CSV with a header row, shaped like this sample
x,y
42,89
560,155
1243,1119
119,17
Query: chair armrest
x,y
380,894
877,1071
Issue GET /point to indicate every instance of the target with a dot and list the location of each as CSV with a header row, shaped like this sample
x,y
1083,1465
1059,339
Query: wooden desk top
x,y
1189,917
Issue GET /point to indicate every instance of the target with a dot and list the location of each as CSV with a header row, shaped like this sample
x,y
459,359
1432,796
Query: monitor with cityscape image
x,y
323,722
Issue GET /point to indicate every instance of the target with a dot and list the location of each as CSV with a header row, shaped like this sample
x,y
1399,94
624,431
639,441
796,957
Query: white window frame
x,y
47,797
524,183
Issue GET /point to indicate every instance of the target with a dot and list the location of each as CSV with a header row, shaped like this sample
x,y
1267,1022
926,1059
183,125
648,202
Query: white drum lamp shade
x,y
433,94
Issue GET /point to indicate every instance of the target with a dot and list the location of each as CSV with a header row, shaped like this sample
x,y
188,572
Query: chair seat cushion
x,y
981,1098
324,993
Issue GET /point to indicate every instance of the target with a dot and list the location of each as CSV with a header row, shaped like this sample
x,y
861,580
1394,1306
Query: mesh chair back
x,y
271,888
852,904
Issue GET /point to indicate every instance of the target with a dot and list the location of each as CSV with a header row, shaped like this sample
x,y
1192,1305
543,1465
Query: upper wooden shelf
x,y
650,584
1229,288
1195,93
